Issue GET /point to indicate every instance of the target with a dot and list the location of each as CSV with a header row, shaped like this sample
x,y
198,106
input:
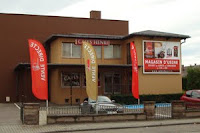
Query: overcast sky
x,y
174,16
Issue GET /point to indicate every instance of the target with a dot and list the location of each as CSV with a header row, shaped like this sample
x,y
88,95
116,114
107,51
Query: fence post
x,y
42,117
31,113
178,109
22,113
149,109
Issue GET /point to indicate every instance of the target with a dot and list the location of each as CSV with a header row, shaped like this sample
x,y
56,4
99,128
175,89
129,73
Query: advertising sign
x,y
161,57
94,42
135,88
91,70
38,61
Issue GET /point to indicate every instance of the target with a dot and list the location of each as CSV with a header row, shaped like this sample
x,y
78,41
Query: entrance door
x,y
112,83
108,83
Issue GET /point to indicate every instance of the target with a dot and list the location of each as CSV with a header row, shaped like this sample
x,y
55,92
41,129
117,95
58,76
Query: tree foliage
x,y
193,78
184,83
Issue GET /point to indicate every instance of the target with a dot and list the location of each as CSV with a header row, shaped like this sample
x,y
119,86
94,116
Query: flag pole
x,y
47,104
138,101
97,105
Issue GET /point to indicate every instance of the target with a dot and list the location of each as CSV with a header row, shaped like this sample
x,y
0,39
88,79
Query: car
x,y
104,105
191,96
192,99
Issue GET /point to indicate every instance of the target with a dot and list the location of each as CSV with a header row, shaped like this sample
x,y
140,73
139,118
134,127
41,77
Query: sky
x,y
173,16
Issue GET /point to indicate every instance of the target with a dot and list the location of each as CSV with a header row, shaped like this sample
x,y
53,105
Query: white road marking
x,y
17,105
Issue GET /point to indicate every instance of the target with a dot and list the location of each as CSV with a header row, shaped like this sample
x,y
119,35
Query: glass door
x,y
108,83
112,83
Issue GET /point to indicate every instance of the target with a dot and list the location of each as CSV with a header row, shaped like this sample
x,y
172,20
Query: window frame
x,y
120,50
112,84
70,73
96,51
71,50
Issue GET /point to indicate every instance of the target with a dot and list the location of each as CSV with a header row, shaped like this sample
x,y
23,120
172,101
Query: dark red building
x,y
15,29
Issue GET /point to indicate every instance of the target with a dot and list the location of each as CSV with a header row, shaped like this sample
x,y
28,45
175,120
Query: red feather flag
x,y
135,88
38,61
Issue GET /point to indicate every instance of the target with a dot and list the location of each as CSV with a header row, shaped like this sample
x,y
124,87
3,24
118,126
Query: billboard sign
x,y
161,57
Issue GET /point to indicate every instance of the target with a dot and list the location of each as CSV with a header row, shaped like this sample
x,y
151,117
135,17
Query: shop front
x,y
68,84
159,63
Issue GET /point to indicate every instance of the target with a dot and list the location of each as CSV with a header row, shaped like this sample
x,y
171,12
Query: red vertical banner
x,y
135,88
38,61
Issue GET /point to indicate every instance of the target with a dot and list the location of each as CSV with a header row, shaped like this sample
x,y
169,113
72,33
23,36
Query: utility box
x,y
86,108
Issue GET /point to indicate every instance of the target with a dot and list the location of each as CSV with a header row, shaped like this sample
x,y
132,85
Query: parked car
x,y
105,105
192,99
191,96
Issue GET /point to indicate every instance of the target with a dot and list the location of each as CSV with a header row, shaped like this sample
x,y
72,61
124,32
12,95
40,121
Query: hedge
x,y
128,99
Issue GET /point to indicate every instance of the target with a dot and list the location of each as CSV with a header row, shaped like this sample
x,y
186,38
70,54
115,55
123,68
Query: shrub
x,y
128,99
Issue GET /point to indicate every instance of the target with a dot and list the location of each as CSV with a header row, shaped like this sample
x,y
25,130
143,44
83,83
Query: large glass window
x,y
112,51
70,50
195,95
70,79
98,51
112,83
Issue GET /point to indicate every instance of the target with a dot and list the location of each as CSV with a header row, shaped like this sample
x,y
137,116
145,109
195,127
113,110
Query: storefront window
x,y
112,51
70,79
98,51
112,83
70,50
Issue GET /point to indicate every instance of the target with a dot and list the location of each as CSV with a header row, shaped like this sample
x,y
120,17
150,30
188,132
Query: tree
x,y
193,78
184,83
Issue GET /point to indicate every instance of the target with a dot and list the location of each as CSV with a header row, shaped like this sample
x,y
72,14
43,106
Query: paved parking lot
x,y
9,114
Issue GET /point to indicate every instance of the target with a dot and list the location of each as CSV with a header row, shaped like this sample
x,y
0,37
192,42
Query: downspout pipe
x,y
183,41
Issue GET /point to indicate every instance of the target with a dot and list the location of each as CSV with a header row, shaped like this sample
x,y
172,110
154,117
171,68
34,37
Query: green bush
x,y
128,99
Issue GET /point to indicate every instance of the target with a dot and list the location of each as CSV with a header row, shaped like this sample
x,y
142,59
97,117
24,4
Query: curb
x,y
124,127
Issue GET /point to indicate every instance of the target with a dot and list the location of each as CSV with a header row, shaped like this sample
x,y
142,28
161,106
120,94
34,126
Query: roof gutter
x,y
184,40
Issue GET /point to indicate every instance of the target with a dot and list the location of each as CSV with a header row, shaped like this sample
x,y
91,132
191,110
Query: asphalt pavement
x,y
9,114
189,128
10,123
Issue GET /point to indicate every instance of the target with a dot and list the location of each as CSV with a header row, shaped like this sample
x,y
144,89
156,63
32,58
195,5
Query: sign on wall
x,y
161,57
95,42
